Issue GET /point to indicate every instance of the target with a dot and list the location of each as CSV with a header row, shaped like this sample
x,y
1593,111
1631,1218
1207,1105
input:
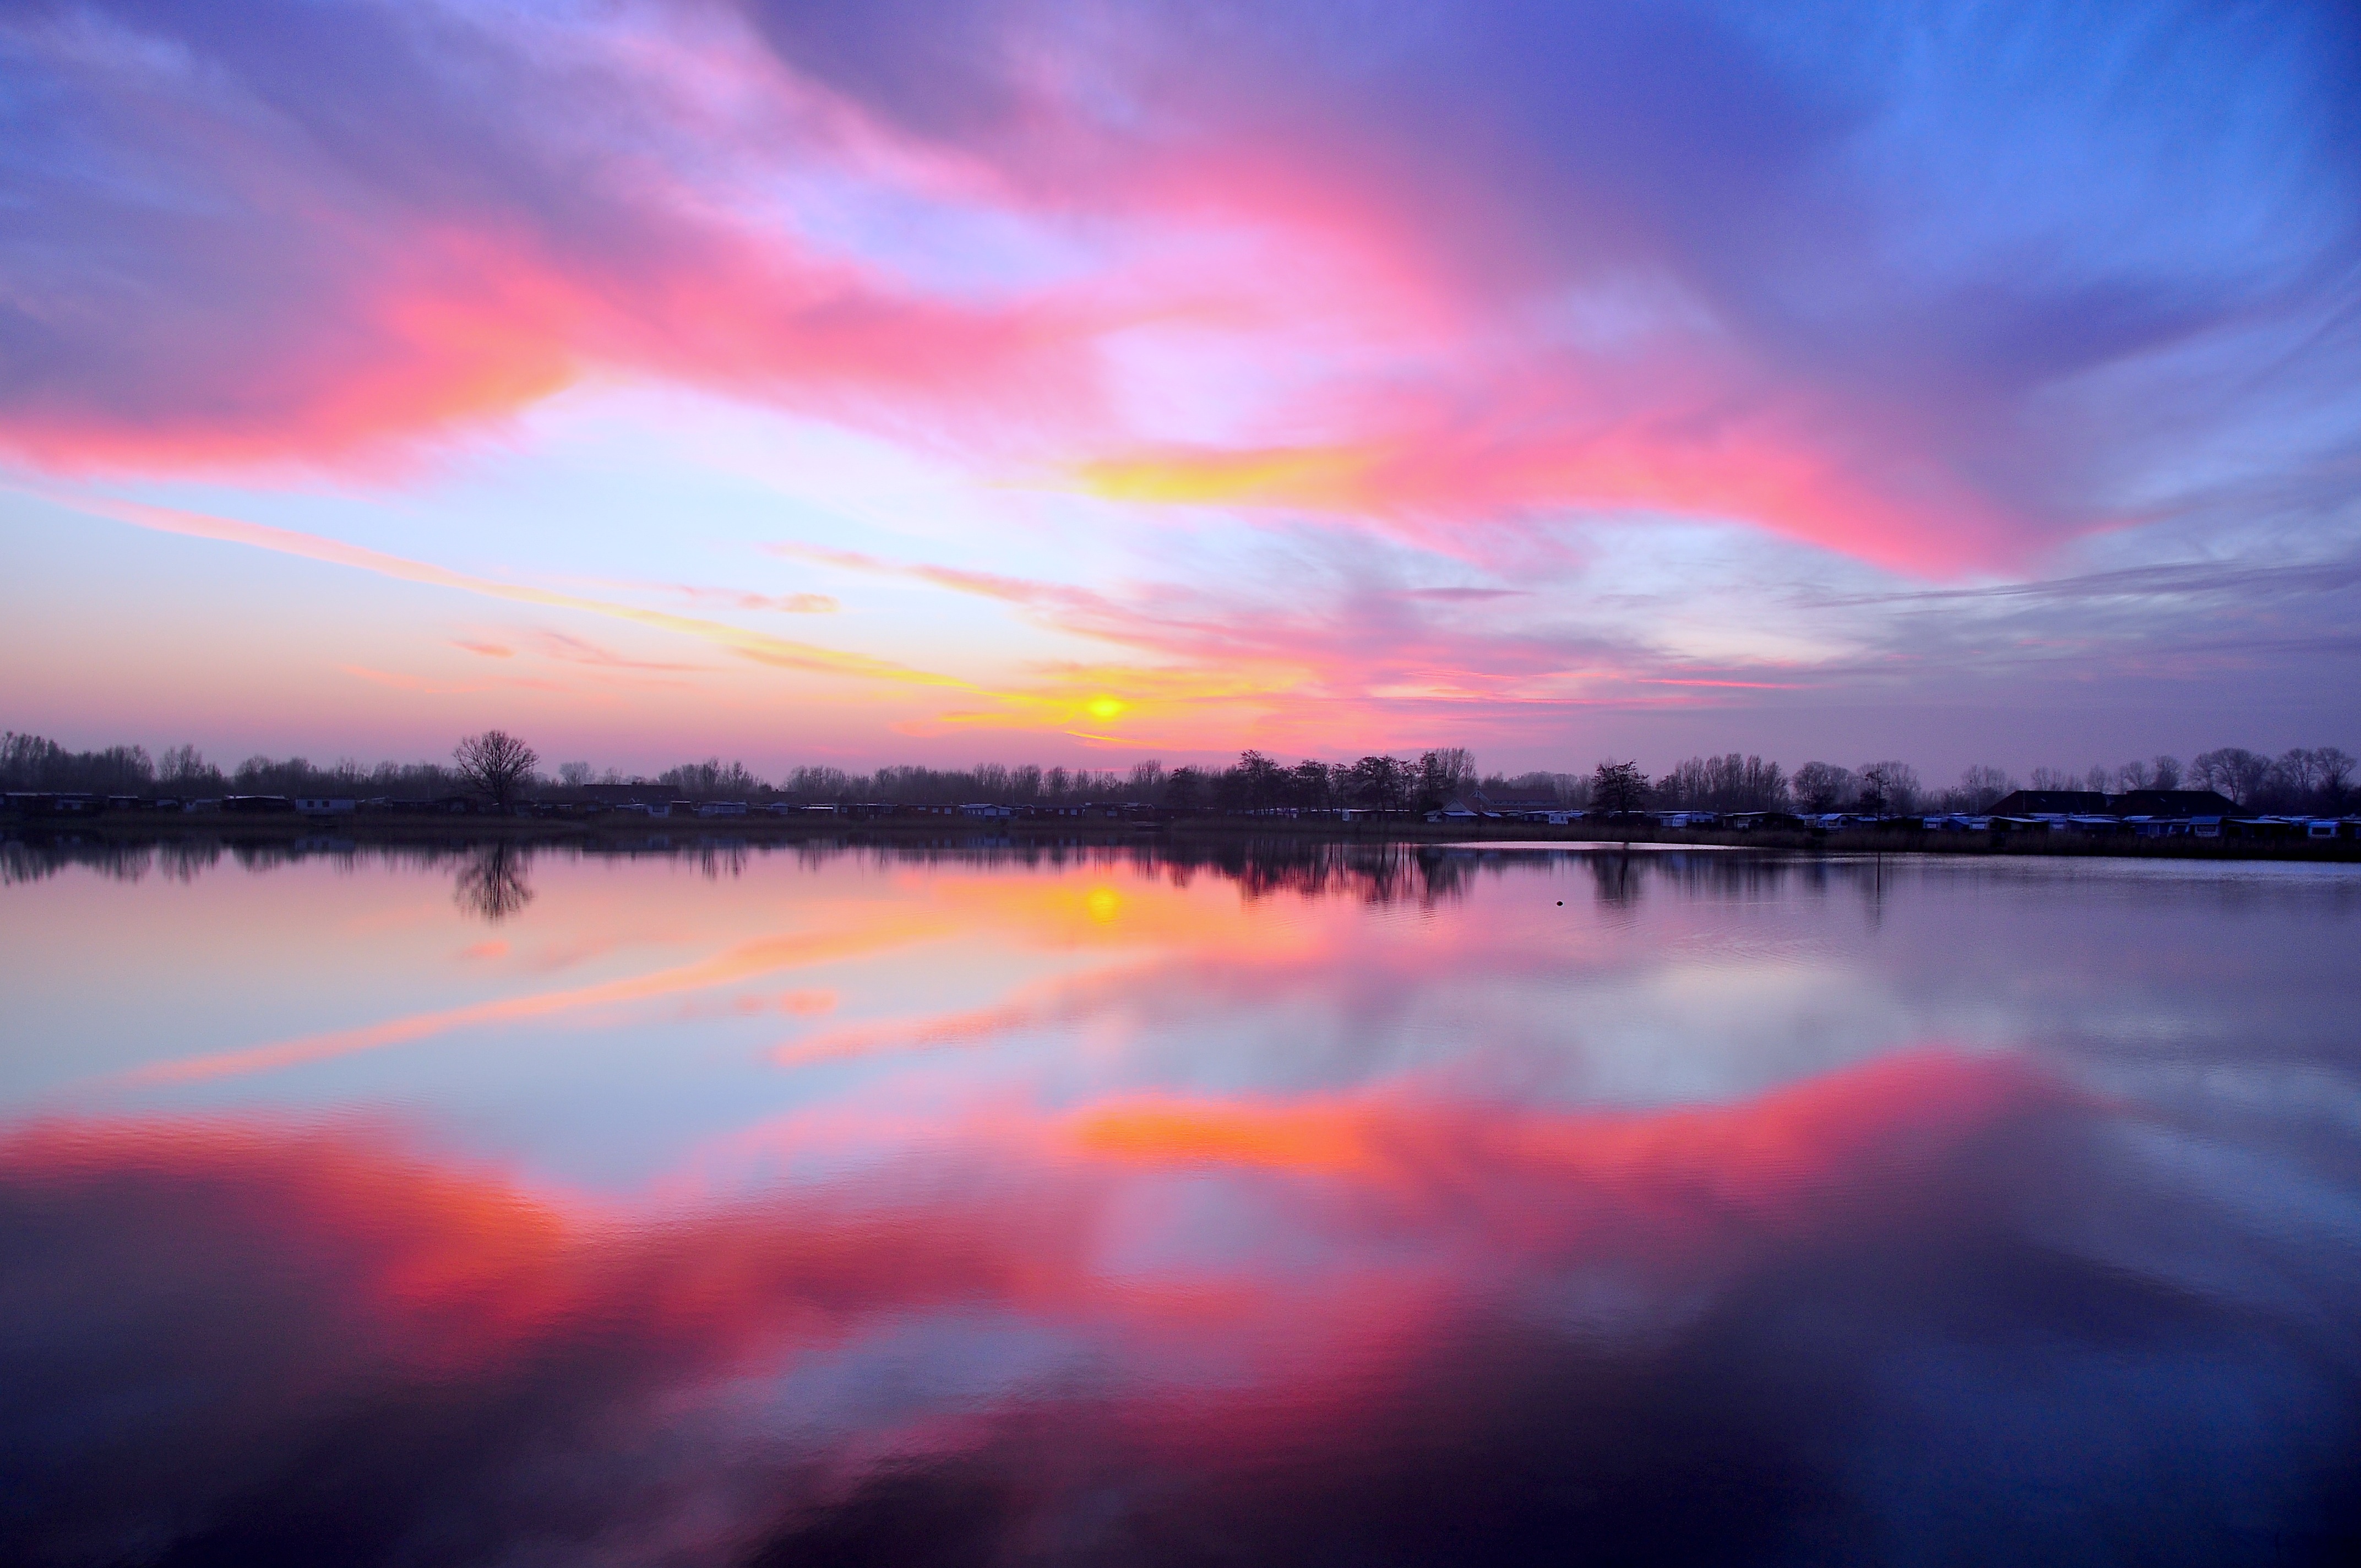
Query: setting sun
x,y
1105,707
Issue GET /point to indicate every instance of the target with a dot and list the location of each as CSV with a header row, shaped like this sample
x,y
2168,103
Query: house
x,y
620,794
1499,806
2097,826
1686,818
985,811
1515,805
257,805
2158,826
722,808
2262,827
324,806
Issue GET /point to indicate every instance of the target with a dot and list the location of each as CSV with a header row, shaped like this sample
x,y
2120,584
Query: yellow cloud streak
x,y
1065,704
758,646
1327,478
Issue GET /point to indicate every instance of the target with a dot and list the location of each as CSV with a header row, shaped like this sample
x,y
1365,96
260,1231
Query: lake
x,y
1346,1206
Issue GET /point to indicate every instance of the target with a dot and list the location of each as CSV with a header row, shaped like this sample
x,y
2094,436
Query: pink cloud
x,y
1452,281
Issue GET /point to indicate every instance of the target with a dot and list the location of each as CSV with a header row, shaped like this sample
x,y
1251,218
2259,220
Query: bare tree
x,y
1822,787
496,764
1618,788
1889,787
2336,776
2232,770
2167,771
1981,787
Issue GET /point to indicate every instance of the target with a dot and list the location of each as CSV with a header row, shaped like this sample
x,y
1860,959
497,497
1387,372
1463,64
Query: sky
x,y
1080,383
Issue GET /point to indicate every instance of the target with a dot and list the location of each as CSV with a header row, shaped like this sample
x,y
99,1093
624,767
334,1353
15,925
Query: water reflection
x,y
1074,1205
491,883
491,876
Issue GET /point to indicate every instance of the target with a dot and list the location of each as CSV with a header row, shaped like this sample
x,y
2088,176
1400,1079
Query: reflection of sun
x,y
1102,903
1104,707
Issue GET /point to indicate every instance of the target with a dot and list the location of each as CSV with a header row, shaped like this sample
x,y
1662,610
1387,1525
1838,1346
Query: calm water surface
x,y
1366,1207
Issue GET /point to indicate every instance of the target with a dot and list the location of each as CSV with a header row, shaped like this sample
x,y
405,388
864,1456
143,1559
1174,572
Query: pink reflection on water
x,y
1072,1227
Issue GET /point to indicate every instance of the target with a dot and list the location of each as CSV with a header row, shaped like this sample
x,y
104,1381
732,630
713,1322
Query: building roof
x,y
2133,802
2171,803
2049,802
1503,800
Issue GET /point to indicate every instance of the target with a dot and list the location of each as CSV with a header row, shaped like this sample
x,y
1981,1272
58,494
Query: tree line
x,y
2315,779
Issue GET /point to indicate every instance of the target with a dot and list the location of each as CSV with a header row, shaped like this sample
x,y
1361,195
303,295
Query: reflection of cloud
x,y
743,961
1390,1329
1063,1000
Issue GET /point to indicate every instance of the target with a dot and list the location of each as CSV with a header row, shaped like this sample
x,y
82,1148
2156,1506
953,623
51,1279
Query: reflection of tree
x,y
1374,873
492,883
1618,879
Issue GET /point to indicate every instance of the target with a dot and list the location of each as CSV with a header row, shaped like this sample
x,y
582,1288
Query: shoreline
x,y
641,835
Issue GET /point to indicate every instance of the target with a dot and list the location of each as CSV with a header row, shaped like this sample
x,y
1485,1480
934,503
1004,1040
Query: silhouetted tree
x,y
1888,787
710,779
1618,788
1823,786
1980,788
1379,783
496,764
2235,771
1725,783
